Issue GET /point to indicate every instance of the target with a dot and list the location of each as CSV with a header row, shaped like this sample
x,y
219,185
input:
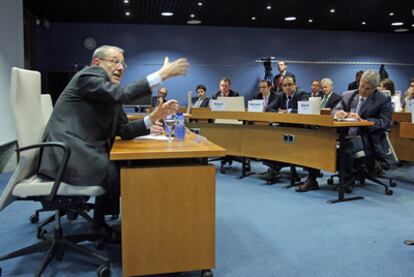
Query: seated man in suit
x,y
330,98
265,93
225,90
366,103
408,94
316,89
160,98
283,103
202,99
355,84
87,117
283,73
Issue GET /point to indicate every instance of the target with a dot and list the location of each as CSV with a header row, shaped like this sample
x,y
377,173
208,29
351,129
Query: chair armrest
x,y
62,166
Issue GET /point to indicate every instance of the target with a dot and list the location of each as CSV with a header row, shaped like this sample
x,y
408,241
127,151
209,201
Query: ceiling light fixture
x,y
391,14
310,20
126,1
290,18
412,25
253,18
363,23
192,15
167,14
332,10
401,30
269,7
194,22
199,3
127,13
397,23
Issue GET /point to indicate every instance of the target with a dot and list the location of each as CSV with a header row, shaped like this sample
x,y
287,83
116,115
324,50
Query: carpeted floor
x,y
266,230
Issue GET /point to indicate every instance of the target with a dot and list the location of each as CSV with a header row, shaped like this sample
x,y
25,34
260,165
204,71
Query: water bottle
x,y
180,127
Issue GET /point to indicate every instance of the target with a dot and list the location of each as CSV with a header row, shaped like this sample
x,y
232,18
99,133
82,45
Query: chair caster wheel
x,y
103,271
71,215
41,233
389,192
206,273
330,182
222,171
99,244
34,219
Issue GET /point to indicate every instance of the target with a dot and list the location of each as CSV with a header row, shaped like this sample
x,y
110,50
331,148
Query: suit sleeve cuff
x,y
154,81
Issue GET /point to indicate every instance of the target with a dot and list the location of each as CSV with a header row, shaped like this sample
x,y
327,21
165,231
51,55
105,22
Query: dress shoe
x,y
269,175
107,233
309,184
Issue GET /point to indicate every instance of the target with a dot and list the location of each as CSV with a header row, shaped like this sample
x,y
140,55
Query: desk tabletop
x,y
306,119
194,146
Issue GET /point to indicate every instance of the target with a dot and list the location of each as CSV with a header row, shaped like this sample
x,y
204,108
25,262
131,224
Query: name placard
x,y
304,107
218,105
255,105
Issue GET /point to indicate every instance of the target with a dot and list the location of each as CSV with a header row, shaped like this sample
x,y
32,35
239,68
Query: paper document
x,y
152,137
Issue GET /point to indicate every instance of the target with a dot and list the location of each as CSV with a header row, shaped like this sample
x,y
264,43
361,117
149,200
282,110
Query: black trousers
x,y
108,203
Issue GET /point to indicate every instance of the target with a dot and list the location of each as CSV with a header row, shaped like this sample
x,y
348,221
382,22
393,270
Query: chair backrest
x,y
47,106
29,123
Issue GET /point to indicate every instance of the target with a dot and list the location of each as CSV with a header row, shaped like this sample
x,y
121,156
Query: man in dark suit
x,y
330,99
283,73
287,102
316,89
225,90
355,84
160,98
366,103
87,117
202,100
283,103
265,93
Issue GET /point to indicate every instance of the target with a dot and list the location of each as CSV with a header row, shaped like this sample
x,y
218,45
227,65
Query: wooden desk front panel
x,y
168,219
404,147
227,136
314,148
407,130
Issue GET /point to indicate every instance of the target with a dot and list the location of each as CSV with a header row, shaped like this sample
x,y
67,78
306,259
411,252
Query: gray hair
x,y
327,80
102,51
371,77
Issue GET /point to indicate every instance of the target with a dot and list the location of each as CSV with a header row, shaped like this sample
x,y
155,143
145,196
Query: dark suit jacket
x,y
376,108
232,93
333,101
204,103
319,94
353,85
87,117
272,97
154,101
280,101
279,89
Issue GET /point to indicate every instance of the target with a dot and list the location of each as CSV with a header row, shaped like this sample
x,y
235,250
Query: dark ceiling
x,y
349,14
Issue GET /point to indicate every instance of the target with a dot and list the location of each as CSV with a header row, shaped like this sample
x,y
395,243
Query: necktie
x,y
279,81
324,100
353,131
266,99
288,102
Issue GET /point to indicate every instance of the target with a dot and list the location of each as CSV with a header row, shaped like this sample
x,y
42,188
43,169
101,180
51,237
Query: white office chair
x,y
25,184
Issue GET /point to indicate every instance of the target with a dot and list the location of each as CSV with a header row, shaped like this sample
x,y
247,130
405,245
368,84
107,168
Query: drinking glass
x,y
169,121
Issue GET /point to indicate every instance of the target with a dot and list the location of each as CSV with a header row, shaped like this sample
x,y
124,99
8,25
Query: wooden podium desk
x,y
403,145
407,130
168,205
289,142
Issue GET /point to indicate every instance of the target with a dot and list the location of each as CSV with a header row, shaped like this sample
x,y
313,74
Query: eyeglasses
x,y
115,62
263,86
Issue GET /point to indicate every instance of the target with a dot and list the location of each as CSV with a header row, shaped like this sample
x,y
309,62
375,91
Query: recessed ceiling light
x,y
199,3
127,13
253,18
192,15
290,18
126,1
310,20
363,23
397,23
401,30
391,14
194,22
167,14
412,25
332,10
269,7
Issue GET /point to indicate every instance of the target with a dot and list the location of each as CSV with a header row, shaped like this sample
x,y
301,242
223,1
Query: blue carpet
x,y
266,230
